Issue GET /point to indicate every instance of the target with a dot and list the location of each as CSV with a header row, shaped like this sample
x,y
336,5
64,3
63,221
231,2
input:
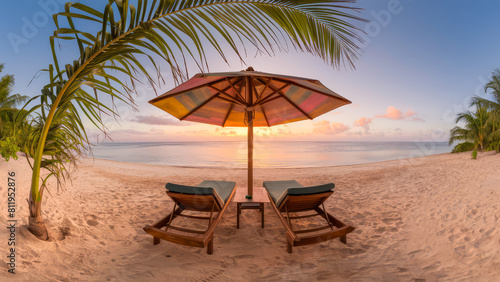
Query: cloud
x,y
390,113
155,120
327,127
126,135
364,123
229,133
128,132
201,132
284,131
395,114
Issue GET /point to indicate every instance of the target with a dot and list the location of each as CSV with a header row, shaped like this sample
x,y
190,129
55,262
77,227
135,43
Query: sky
x,y
421,62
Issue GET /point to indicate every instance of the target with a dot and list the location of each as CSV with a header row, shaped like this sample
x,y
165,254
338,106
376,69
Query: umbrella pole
x,y
249,112
250,154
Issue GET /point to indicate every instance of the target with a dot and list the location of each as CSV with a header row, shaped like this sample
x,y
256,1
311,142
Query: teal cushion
x,y
278,190
223,188
220,189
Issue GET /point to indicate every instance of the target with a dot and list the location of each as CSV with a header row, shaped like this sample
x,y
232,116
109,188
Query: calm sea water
x,y
266,154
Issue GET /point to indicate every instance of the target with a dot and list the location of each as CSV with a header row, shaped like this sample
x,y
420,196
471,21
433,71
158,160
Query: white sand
x,y
433,218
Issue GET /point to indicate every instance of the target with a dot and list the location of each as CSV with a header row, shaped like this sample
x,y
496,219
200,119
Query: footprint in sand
x,y
62,233
214,276
412,254
92,221
433,265
308,266
346,251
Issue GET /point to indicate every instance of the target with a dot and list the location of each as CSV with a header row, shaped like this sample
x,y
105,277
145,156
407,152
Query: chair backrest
x,y
195,202
295,203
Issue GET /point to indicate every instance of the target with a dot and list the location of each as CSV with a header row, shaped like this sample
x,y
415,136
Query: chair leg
x,y
343,239
156,241
210,247
238,211
288,247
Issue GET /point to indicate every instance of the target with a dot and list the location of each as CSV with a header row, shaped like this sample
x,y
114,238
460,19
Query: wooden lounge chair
x,y
210,197
291,197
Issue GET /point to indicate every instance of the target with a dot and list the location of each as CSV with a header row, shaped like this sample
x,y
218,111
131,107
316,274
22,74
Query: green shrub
x,y
463,147
9,148
474,154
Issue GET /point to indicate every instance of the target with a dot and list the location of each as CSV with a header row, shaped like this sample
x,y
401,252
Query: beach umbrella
x,y
248,99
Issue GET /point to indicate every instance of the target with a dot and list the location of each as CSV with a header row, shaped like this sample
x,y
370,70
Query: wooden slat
x,y
306,240
304,202
268,97
227,114
295,106
313,229
195,217
240,79
194,202
161,97
235,99
312,90
265,115
304,216
229,100
199,106
165,220
254,91
271,99
336,222
263,90
175,238
186,230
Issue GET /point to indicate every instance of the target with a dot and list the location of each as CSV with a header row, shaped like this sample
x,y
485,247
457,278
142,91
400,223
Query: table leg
x,y
238,211
262,211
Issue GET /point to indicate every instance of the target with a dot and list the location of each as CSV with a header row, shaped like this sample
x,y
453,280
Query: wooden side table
x,y
256,203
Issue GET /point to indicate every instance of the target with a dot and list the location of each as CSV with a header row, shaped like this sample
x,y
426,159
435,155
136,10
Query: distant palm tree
x,y
493,105
7,100
113,60
494,87
474,133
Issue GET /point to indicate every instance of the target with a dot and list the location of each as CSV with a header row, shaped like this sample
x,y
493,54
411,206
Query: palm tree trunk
x,y
36,224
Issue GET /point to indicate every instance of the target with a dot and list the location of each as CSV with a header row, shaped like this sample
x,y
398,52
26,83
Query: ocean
x,y
273,154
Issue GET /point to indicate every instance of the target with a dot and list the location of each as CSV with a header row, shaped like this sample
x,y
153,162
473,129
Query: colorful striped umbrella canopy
x,y
248,99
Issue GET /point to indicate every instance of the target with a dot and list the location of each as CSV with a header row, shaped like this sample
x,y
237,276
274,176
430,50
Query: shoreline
x,y
256,167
